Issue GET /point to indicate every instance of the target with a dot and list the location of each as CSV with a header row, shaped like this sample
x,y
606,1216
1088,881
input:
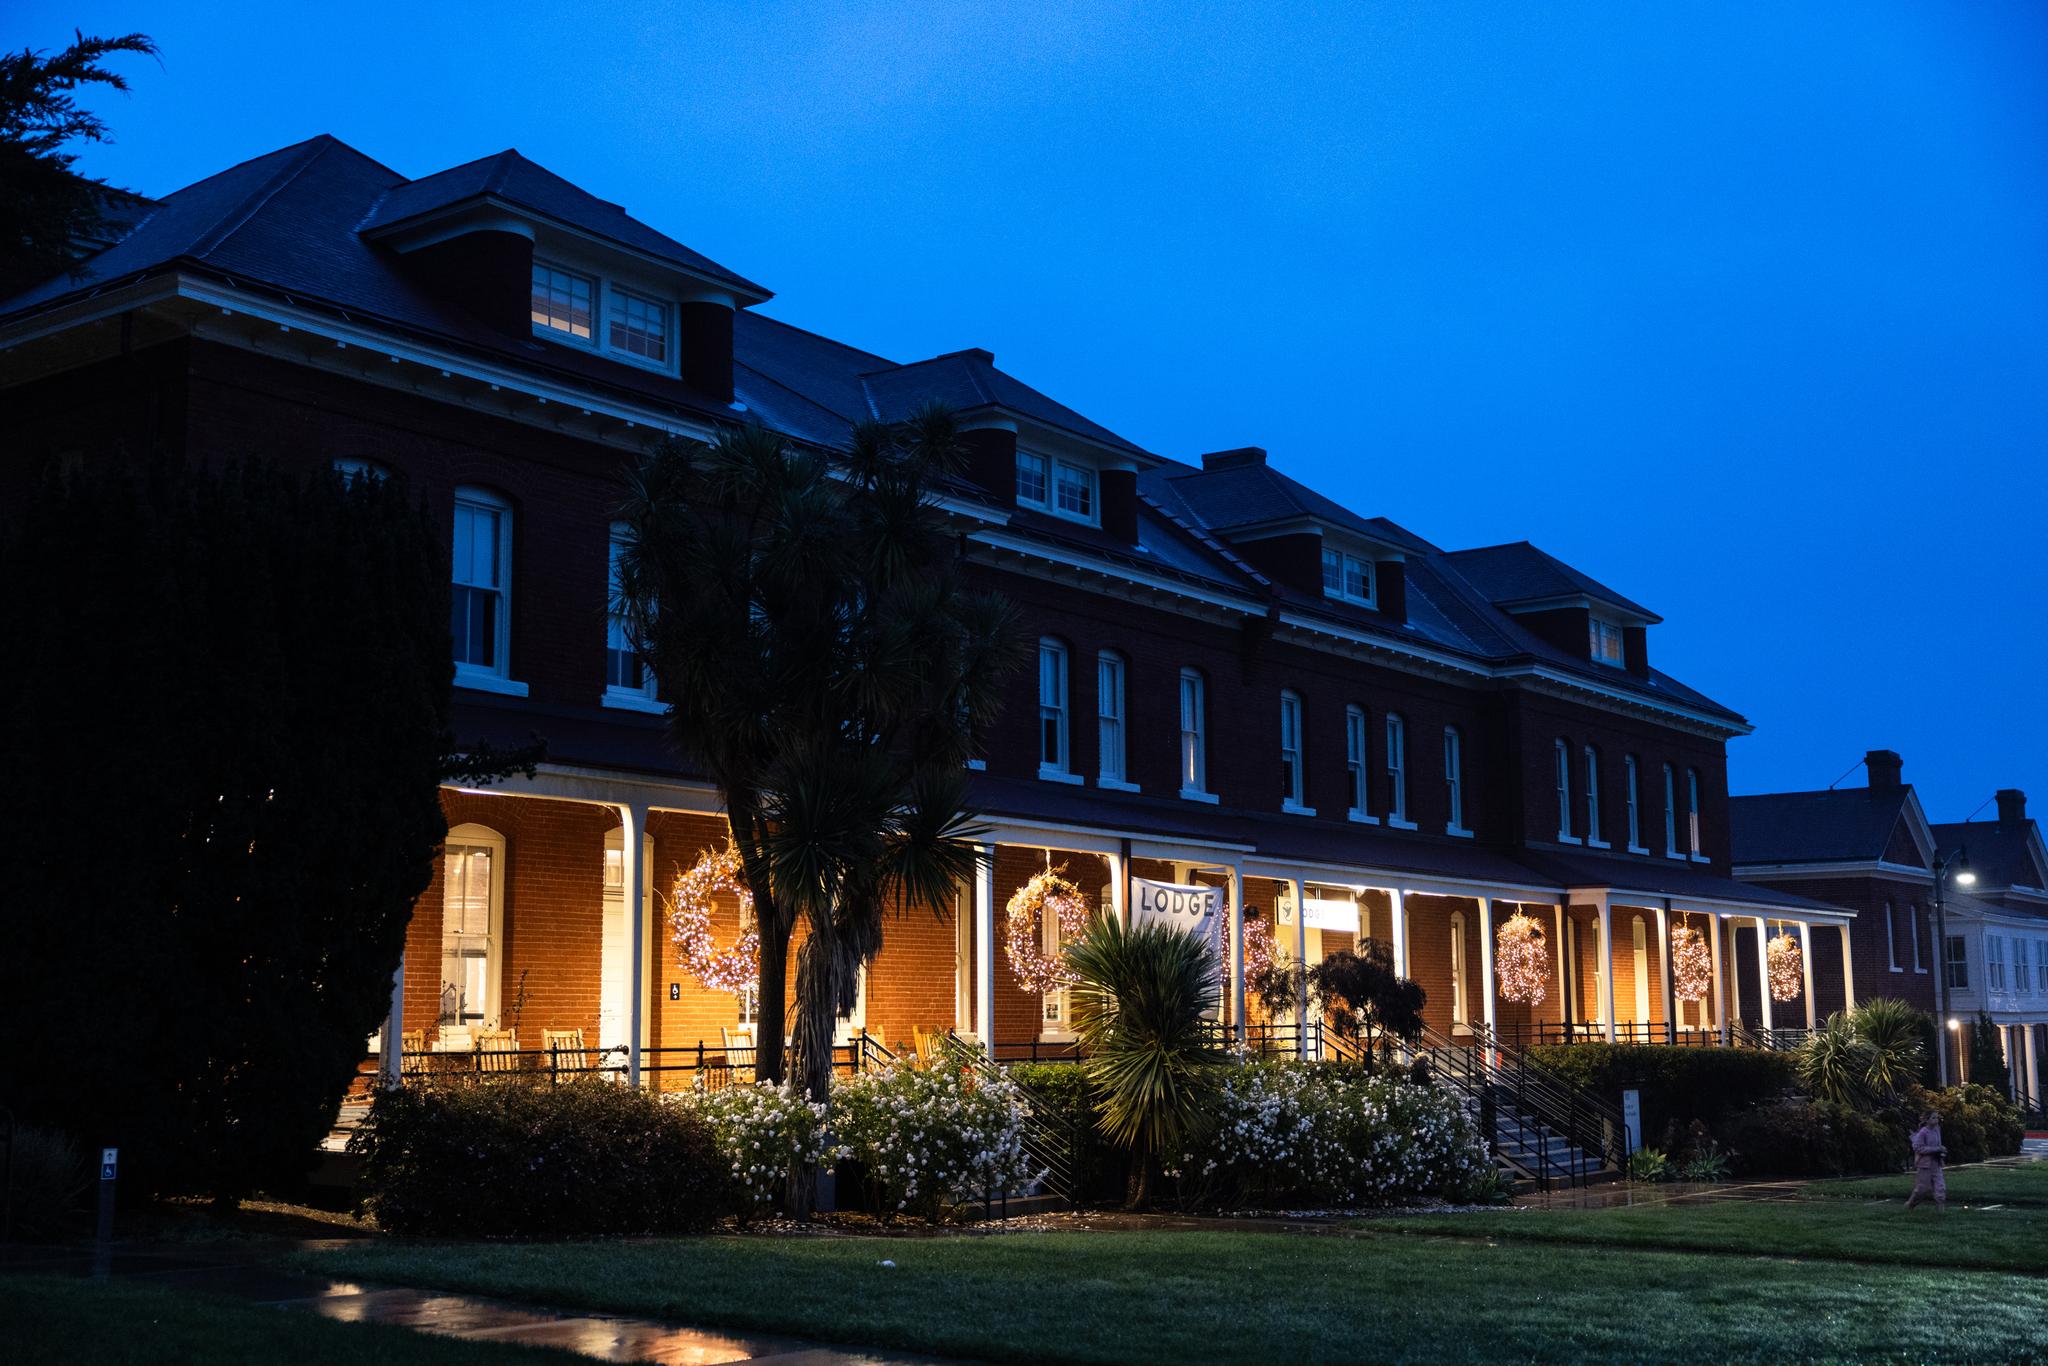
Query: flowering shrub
x,y
931,1138
763,1132
1286,1133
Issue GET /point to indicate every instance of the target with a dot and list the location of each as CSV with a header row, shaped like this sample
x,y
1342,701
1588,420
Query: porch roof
x,y
1657,877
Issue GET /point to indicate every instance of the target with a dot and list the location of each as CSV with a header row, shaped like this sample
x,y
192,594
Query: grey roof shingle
x,y
2001,853
966,380
1236,497
1846,825
1518,572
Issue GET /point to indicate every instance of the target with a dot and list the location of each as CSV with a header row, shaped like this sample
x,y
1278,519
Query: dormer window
x,y
639,327
563,304
1607,643
1347,576
1061,487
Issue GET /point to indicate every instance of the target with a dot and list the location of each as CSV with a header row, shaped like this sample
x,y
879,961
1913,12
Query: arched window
x,y
472,928
480,597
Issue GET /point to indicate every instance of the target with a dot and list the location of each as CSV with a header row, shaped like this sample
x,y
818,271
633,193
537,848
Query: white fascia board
x,y
1897,872
605,787
1384,879
94,307
1048,835
1919,828
1436,659
1003,539
1712,905
1569,684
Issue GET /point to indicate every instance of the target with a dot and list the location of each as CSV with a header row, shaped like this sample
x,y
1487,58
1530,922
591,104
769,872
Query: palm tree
x,y
1836,1063
1896,1033
1143,1007
825,663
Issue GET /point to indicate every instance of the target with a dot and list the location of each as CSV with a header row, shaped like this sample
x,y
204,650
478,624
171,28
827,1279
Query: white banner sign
x,y
1191,910
1333,915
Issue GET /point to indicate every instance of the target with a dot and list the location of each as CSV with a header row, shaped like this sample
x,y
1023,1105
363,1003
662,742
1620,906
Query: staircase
x,y
1542,1130
1048,1141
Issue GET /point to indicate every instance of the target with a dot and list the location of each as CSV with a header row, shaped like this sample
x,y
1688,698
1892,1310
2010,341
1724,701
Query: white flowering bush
x,y
931,1138
763,1132
1289,1133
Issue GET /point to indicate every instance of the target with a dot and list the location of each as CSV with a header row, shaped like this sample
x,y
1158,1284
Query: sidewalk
x,y
602,1337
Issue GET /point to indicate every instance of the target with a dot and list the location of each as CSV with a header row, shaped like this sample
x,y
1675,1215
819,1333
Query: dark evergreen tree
x,y
1364,998
1987,1058
223,721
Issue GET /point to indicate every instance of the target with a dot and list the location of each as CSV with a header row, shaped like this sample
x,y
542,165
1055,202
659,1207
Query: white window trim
x,y
1461,1019
1635,804
1599,625
497,676
1050,504
1358,767
1454,782
1194,787
1397,772
1118,781
1913,931
669,323
483,836
1060,769
1294,803
1891,941
642,698
597,315
1671,849
1693,833
1561,756
1340,593
600,340
1593,840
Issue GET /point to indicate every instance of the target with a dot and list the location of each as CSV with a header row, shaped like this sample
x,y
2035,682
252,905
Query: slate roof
x,y
1236,497
1518,572
512,178
1845,825
2001,853
967,380
1658,877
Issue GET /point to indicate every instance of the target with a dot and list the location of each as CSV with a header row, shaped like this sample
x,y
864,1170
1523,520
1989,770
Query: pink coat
x,y
1927,1144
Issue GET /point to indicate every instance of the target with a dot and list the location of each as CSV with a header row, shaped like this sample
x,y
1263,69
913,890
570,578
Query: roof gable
x,y
1848,825
1519,574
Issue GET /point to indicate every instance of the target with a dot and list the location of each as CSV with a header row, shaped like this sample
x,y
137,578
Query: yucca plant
x,y
1896,1033
1142,1007
1836,1062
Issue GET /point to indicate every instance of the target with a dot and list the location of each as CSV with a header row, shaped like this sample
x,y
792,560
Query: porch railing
x,y
1543,1126
1053,1138
711,1065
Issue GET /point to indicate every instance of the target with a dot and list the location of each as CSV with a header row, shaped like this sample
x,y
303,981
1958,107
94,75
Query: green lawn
x,y
1222,1297
48,1319
1841,1230
2027,1185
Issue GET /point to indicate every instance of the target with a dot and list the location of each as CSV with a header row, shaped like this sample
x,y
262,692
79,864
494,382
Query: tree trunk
x,y
817,1002
1138,1181
772,1004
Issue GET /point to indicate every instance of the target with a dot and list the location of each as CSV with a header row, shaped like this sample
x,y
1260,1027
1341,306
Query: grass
x,y
1835,1230
2025,1185
115,1323
1224,1297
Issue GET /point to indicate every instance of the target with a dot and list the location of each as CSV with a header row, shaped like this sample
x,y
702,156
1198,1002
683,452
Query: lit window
x,y
639,326
1397,770
480,602
1563,755
1109,717
628,681
1194,759
1454,779
1347,576
1593,836
470,917
562,303
1031,479
1290,750
1458,1015
1075,491
1692,811
1355,761
1635,818
1671,814
1052,707
1607,643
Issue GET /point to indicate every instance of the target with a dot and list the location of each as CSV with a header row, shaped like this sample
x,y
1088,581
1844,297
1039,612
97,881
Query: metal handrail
x,y
1044,1142
1491,1072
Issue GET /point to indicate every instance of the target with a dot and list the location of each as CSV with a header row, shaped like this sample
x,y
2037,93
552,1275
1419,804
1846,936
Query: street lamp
x,y
1959,861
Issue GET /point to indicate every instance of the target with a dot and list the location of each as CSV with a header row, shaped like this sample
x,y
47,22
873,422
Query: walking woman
x,y
1928,1150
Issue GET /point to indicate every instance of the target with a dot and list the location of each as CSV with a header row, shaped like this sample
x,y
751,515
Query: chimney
x,y
1120,504
1391,590
1884,766
704,345
1635,650
2012,806
489,273
1241,458
989,458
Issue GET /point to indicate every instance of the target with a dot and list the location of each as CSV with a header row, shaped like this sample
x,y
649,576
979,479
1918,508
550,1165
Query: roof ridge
x,y
1204,538
310,151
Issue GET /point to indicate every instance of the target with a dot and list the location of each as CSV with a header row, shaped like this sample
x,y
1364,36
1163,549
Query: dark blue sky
x,y
1741,308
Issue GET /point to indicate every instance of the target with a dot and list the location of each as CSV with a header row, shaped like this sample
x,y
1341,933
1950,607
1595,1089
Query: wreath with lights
x,y
1047,893
691,906
1258,946
1785,968
1691,964
1520,960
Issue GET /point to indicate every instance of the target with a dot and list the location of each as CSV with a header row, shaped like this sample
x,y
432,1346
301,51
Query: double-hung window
x,y
2022,969
1607,643
1355,770
1397,773
628,682
1109,721
1347,576
1074,490
1194,744
1692,815
1454,781
639,327
564,304
1292,783
1052,709
1635,804
472,899
1671,849
1891,943
1563,756
1593,836
1958,963
1994,962
480,592
1031,479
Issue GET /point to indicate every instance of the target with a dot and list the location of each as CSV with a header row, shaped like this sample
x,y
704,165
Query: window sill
x,y
1396,823
1638,849
634,701
1920,971
1296,809
483,682
1563,838
1058,775
1459,831
1598,844
1195,794
1898,969
1116,785
1671,854
1361,817
976,765
1701,858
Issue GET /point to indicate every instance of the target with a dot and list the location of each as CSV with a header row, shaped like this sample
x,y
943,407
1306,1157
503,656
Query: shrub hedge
x,y
1794,1136
503,1160
1976,1121
1679,1085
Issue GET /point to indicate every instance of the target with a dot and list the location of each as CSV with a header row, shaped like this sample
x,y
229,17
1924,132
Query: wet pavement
x,y
602,1337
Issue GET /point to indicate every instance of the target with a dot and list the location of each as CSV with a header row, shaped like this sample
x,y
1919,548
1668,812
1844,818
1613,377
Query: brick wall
x,y
1871,898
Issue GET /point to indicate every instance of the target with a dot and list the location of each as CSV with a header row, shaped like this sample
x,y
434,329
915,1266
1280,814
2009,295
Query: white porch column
x,y
1397,902
1806,971
1667,989
1119,888
985,946
1486,965
392,1065
1297,892
633,895
2028,1032
1763,970
1719,991
1566,1005
1237,950
1848,971
1606,911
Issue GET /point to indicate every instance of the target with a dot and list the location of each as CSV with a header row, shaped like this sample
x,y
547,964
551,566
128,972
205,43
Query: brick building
x,y
1240,682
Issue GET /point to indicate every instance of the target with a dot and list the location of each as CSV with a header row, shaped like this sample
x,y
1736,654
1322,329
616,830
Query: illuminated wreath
x,y
1258,946
1023,929
1520,960
1781,959
689,919
1691,964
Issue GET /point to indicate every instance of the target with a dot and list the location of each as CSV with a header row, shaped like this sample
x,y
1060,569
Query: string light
x,y
1781,958
691,906
1521,960
1692,965
1023,929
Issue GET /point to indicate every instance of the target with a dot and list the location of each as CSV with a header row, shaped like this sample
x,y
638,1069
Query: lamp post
x,y
1959,861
